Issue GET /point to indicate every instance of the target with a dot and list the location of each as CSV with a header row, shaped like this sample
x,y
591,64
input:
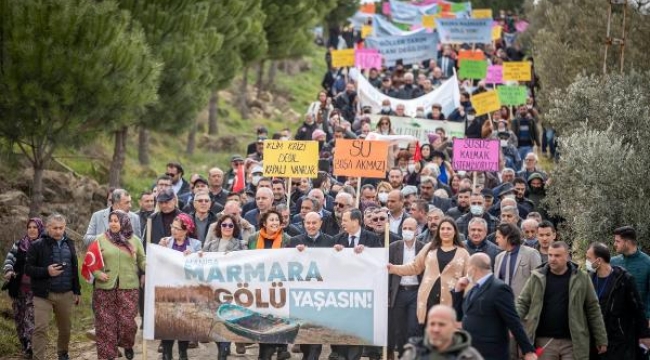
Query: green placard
x,y
512,95
458,7
472,69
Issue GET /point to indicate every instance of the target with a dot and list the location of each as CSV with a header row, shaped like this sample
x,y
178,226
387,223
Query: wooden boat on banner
x,y
256,326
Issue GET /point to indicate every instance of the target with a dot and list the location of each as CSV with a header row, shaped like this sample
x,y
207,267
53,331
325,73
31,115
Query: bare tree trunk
x,y
119,154
260,78
143,142
212,114
273,69
191,138
243,95
37,189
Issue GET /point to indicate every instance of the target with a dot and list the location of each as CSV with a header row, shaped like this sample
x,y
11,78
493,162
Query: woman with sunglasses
x,y
226,239
181,227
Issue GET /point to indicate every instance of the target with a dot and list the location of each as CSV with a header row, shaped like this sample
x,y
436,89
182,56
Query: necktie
x,y
507,279
351,244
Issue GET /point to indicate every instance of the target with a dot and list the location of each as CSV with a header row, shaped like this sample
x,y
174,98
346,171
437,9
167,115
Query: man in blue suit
x,y
488,311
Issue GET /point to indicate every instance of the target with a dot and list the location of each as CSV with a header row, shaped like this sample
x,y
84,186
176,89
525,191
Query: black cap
x,y
262,130
487,193
165,195
200,179
236,157
507,188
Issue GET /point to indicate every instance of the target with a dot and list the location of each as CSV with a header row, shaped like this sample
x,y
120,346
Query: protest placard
x,y
410,49
496,32
512,95
360,158
304,297
368,8
516,71
486,102
460,31
385,8
366,30
367,59
472,69
428,21
471,55
482,13
343,58
284,158
476,155
421,128
494,74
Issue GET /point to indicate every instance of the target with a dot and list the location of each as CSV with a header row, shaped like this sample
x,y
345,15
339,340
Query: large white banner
x,y
318,296
420,128
447,95
411,49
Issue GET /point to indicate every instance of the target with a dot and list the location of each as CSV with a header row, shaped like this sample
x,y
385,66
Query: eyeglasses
x,y
340,205
170,174
379,219
202,200
295,184
227,225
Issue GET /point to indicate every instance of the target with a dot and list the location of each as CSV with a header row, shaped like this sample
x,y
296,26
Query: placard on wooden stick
x,y
361,158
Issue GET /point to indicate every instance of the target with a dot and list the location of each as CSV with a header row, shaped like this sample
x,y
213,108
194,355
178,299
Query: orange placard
x,y
368,8
361,158
471,55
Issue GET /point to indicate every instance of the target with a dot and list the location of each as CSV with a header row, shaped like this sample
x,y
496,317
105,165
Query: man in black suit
x,y
403,291
488,311
353,236
312,238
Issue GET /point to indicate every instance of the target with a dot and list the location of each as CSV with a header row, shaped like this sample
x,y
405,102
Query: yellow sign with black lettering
x,y
290,159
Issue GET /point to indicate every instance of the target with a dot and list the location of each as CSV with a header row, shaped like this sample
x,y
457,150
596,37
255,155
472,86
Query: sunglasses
x,y
295,184
378,219
339,205
227,225
170,174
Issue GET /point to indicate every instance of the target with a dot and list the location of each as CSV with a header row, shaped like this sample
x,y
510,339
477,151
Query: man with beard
x,y
520,188
537,192
462,206
434,217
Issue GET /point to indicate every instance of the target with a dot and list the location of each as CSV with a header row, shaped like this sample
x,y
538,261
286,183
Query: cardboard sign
x,y
284,158
343,58
428,21
367,59
494,74
368,8
496,32
471,55
385,8
472,69
486,102
366,30
476,155
512,95
516,71
482,13
360,158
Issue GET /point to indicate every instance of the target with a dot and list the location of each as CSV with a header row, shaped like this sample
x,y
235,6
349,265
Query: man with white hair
x,y
409,90
529,229
530,166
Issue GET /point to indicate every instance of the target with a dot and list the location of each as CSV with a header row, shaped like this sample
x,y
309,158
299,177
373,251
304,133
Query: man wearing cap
x,y
162,220
506,176
252,147
201,185
258,155
235,161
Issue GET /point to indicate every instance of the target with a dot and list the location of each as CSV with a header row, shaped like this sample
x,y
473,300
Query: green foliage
x,y
341,12
568,38
182,34
497,5
600,182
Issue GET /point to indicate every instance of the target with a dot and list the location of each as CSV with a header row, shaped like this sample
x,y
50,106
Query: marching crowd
x,y
477,269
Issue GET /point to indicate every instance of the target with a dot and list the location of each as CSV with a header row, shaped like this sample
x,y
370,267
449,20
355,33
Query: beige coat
x,y
528,259
427,261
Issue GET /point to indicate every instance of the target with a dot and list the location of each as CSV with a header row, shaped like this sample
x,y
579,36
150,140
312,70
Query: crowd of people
x,y
477,268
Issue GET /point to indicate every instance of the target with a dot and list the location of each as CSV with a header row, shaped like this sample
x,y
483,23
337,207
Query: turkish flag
x,y
417,156
240,183
92,262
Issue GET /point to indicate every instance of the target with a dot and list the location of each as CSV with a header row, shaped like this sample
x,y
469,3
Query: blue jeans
x,y
548,140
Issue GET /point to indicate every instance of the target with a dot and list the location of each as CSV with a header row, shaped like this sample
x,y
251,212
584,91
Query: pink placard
x,y
521,26
476,155
385,8
367,59
494,74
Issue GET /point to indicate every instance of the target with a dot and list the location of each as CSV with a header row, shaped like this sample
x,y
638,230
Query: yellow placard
x,y
343,58
290,159
428,21
496,32
360,158
482,13
516,71
365,31
486,102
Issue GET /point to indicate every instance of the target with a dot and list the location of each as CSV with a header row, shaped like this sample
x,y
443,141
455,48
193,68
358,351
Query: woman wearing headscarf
x,y
182,226
117,287
17,282
270,236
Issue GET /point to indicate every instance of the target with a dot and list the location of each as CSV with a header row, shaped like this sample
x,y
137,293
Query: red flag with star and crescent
x,y
92,262
240,183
